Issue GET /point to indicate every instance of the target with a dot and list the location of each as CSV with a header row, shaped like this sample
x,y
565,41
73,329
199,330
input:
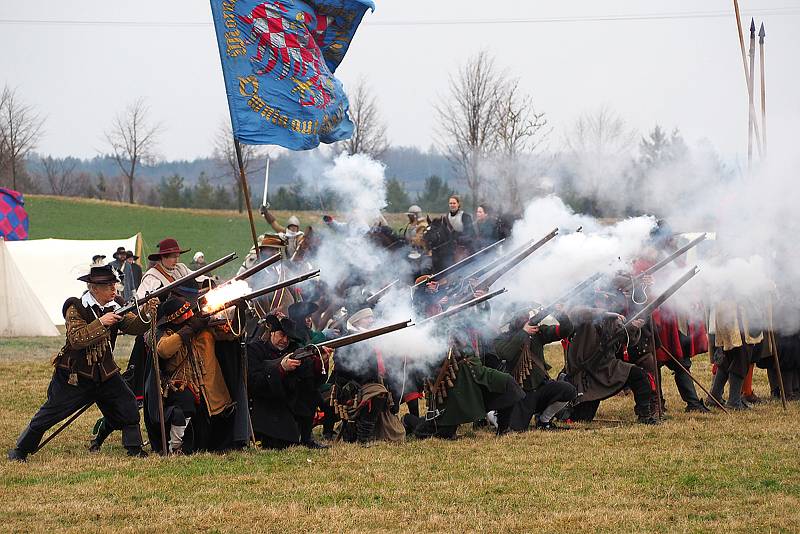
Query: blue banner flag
x,y
278,59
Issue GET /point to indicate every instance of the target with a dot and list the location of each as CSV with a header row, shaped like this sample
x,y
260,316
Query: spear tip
x,y
752,26
762,33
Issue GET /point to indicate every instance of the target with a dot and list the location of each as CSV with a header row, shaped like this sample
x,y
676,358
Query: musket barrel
x,y
669,259
463,306
515,260
659,300
177,283
361,336
463,263
257,267
572,293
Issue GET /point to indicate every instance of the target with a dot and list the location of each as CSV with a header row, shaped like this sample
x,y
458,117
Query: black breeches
x,y
420,428
113,397
183,407
537,400
643,389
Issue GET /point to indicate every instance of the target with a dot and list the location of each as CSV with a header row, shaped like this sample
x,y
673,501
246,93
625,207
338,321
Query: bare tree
x,y
599,157
60,175
225,153
519,131
133,141
20,129
467,118
369,135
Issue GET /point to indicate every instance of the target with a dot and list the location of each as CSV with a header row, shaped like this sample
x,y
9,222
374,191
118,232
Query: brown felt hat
x,y
167,246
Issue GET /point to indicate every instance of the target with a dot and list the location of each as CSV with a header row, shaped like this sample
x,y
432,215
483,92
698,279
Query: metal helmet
x,y
293,221
414,210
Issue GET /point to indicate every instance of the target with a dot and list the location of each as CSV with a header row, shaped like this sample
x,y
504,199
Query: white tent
x,y
21,313
51,267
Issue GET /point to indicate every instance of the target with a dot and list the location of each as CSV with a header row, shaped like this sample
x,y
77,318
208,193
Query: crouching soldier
x,y
85,370
360,395
522,348
192,381
284,392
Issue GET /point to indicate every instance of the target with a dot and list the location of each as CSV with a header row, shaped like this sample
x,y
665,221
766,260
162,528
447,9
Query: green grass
x,y
694,473
216,233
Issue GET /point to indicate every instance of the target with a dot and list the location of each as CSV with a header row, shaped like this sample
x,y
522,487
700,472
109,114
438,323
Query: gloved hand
x,y
197,323
263,210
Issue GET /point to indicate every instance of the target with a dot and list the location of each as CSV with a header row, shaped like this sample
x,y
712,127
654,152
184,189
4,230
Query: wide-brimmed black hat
x,y
191,290
300,310
120,250
172,308
285,325
98,257
100,275
130,254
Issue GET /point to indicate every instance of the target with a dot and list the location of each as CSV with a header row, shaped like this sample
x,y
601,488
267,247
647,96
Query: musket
x,y
375,297
259,292
660,265
463,306
458,265
566,297
165,290
312,349
497,261
649,308
678,253
515,260
247,273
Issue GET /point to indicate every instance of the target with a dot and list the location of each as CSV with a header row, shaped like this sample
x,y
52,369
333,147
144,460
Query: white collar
x,y
88,301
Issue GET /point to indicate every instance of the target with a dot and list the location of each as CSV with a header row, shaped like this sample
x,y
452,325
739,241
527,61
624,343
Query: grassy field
x,y
698,473
694,473
214,232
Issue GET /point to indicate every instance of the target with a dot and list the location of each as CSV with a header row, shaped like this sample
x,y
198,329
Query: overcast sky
x,y
673,62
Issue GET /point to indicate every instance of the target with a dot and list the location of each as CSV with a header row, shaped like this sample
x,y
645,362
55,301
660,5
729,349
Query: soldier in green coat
x,y
522,348
462,390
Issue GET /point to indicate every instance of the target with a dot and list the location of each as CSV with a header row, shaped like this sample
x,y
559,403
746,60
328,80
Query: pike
x,y
566,297
761,35
312,349
165,290
751,95
515,260
463,306
257,293
746,74
458,265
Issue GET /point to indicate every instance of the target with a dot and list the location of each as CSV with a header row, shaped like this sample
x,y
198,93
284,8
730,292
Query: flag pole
x,y
761,35
246,192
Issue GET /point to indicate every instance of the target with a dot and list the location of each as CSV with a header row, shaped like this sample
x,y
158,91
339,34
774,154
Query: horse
x,y
442,242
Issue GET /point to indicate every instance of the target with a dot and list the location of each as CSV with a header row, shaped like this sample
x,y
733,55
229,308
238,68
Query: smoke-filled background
x,y
749,257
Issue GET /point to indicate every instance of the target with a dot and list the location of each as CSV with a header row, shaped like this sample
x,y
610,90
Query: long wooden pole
x,y
63,426
159,394
751,96
696,381
746,73
246,192
774,350
761,35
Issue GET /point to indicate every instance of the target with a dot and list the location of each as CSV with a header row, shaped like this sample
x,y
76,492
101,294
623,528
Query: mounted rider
x,y
291,234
